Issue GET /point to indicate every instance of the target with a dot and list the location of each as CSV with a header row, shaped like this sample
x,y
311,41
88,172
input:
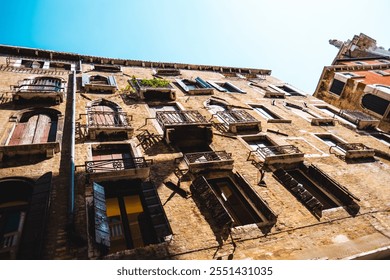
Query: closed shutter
x,y
34,227
102,230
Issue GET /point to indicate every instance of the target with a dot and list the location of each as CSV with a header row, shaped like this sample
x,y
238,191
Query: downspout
x,y
71,196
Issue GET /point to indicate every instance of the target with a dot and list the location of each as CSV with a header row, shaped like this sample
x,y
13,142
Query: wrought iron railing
x,y
180,117
353,146
116,164
236,116
207,156
107,119
277,150
37,88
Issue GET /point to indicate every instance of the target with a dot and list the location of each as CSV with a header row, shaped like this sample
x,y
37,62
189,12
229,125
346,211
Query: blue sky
x,y
289,37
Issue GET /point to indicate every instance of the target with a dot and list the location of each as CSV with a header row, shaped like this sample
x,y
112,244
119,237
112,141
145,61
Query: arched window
x,y
375,103
34,127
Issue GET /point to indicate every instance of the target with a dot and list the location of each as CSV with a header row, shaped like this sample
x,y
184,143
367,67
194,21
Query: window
x,y
269,115
115,161
34,128
226,87
291,90
231,201
107,120
382,73
359,63
375,103
337,87
316,190
197,86
384,61
33,131
332,141
99,83
40,87
383,88
239,121
23,212
122,215
32,63
107,68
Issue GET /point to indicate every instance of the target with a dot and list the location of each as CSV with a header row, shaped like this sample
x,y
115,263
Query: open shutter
x,y
217,86
85,79
34,227
183,86
156,211
236,88
112,81
102,230
202,83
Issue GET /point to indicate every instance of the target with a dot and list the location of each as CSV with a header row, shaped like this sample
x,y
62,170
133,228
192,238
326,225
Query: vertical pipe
x,y
71,202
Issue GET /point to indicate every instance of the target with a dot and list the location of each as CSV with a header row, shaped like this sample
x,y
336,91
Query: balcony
x,y
49,88
355,150
109,123
154,89
285,154
362,120
202,161
239,121
133,168
185,128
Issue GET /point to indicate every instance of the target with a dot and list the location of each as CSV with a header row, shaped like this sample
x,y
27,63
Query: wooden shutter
x,y
156,211
35,224
202,83
217,86
183,85
102,230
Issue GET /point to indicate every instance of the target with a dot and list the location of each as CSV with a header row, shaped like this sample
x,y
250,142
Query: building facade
x,y
120,159
359,80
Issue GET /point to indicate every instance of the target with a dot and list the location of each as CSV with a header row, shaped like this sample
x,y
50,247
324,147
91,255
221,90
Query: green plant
x,y
155,83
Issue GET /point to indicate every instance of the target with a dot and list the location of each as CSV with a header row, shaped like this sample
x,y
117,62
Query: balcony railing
x,y
10,239
169,118
107,119
207,156
353,146
37,88
277,150
97,166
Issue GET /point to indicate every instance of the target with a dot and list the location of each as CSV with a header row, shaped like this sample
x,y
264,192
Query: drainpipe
x,y
72,155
